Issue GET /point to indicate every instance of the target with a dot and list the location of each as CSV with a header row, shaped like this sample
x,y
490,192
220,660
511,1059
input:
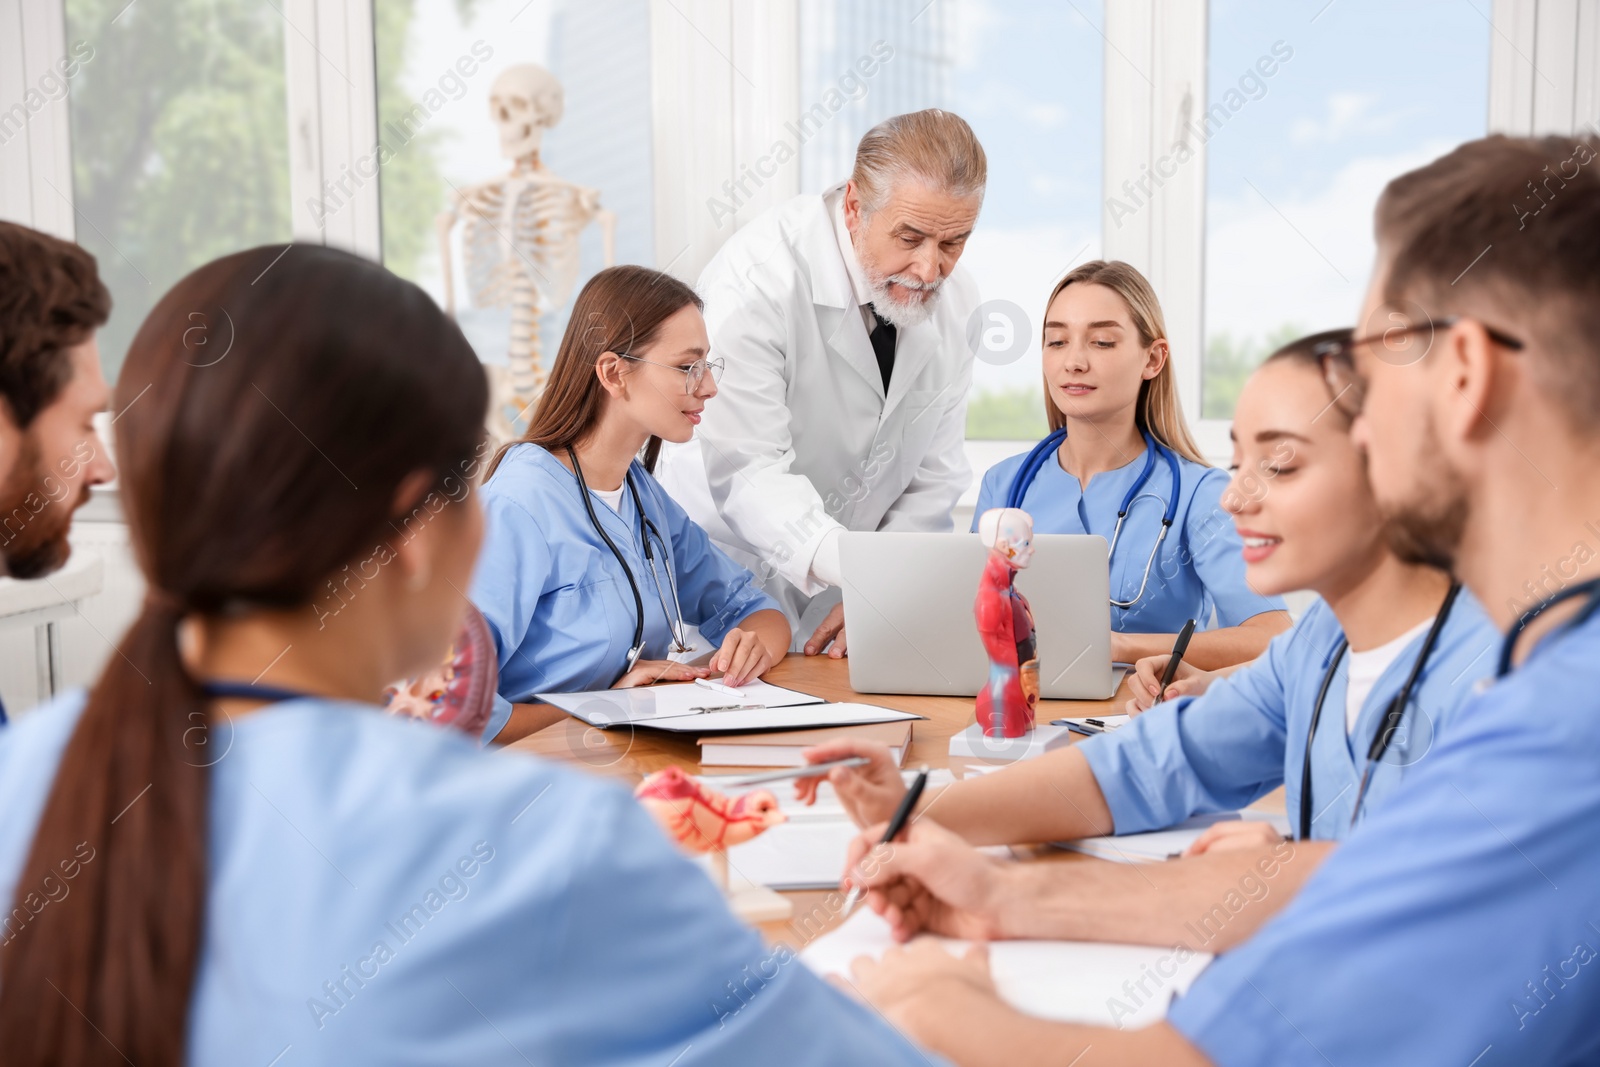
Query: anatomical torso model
x,y
1005,623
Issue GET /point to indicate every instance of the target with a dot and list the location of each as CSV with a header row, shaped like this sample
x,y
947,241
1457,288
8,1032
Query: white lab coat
x,y
801,439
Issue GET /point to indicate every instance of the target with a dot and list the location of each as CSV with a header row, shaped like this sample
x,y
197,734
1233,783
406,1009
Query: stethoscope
x,y
1392,715
647,529
1509,645
1046,449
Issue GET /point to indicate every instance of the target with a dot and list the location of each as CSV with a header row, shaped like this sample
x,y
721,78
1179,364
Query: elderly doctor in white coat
x,y
842,319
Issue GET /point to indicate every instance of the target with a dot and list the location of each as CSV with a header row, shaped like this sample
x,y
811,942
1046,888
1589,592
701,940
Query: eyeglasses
x,y
694,374
1400,346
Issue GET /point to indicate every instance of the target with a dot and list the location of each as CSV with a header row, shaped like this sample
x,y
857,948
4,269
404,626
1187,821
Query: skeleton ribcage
x,y
535,241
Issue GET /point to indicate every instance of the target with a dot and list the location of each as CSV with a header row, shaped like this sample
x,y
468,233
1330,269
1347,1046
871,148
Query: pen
x,y
727,707
718,687
810,770
1096,722
1179,647
902,815
1078,727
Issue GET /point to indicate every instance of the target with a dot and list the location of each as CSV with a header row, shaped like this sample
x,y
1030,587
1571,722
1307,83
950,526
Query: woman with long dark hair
x,y
226,853
591,574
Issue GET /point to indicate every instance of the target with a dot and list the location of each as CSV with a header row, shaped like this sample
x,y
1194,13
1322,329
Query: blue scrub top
x,y
1199,567
556,599
1246,735
384,891
1460,924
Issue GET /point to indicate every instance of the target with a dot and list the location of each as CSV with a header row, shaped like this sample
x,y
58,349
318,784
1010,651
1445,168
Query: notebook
x,y
1157,846
782,748
1099,983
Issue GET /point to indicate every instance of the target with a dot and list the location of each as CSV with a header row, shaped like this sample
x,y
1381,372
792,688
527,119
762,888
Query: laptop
x,y
908,610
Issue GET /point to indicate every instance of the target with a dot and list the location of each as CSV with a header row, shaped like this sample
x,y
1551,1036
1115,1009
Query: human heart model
x,y
702,820
1005,623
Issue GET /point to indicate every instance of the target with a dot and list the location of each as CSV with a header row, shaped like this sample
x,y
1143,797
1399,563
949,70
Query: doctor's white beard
x,y
904,314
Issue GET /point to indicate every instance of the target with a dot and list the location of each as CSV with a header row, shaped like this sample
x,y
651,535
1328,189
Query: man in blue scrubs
x,y
51,303
1460,924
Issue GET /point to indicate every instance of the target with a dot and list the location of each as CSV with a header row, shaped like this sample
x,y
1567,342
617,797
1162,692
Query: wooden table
x,y
630,754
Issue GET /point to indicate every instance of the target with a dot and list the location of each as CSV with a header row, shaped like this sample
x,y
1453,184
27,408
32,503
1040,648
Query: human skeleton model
x,y
520,235
703,820
1005,623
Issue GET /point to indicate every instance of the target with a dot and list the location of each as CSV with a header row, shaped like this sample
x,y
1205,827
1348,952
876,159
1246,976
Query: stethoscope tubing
x,y
1392,716
646,528
1034,462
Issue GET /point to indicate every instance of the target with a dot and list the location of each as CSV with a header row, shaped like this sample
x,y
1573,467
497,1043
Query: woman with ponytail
x,y
1119,462
226,853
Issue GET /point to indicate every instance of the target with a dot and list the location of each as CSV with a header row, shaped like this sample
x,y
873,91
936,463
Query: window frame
x,y
709,118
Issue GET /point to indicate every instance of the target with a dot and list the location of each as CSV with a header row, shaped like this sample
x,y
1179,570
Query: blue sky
x,y
1372,89
1028,76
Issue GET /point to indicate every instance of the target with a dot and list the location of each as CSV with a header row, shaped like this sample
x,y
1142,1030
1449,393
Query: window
x,y
436,63
1309,116
179,143
1027,76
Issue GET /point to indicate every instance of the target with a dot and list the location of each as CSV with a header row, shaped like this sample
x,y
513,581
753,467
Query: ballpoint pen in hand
x,y
1179,647
902,815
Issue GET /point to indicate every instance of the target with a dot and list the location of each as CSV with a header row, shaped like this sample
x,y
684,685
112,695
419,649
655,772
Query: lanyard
x,y
1388,726
221,690
1044,450
1508,646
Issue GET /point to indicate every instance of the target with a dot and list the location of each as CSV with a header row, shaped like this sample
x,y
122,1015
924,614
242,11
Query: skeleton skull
x,y
524,101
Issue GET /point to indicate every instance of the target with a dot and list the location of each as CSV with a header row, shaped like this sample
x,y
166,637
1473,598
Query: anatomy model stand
x,y
1005,706
704,821
520,235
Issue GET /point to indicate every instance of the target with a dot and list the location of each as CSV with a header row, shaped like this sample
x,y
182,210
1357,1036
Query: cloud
x,y
1261,273
1043,115
972,20
1348,115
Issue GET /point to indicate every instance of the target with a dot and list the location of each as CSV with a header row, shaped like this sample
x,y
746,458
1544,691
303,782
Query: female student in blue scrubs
x,y
1119,462
1375,671
227,853
591,574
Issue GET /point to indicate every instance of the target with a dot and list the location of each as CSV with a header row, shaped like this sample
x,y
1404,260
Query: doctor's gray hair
x,y
932,146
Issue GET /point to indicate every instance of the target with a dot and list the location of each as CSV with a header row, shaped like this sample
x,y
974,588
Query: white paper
x,y
1099,983
1157,846
646,703
807,851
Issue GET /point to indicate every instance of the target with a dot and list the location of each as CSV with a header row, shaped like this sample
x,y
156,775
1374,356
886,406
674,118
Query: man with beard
x,y
51,387
842,320
1459,924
